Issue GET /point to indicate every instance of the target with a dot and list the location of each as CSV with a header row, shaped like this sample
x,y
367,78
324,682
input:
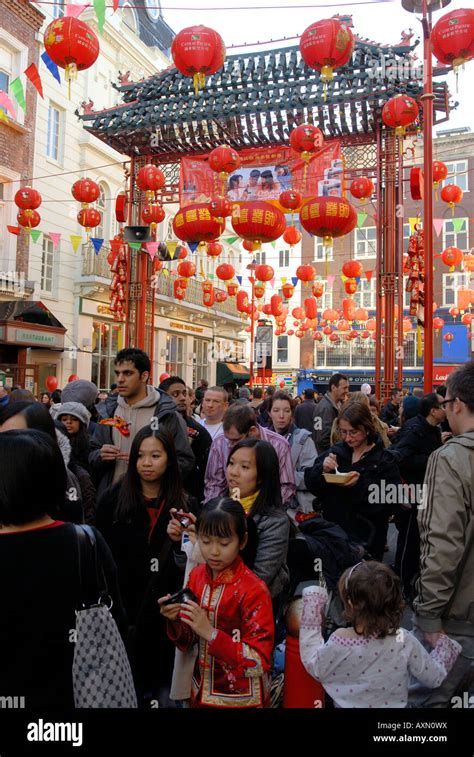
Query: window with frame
x,y
47,265
13,61
53,134
365,295
322,253
451,283
284,258
174,355
282,349
58,8
260,257
406,236
103,204
6,68
365,242
107,340
457,174
455,233
201,349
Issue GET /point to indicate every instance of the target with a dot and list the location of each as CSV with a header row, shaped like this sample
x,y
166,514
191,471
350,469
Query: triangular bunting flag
x,y
231,240
413,222
152,248
165,272
55,236
135,245
361,219
211,276
284,279
51,66
74,11
239,279
192,246
438,225
272,283
274,244
35,234
4,117
458,224
32,73
76,240
331,280
116,5
18,92
99,7
14,230
344,278
294,280
368,275
6,103
358,280
97,244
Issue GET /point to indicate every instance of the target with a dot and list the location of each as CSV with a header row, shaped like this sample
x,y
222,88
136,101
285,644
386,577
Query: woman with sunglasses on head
x,y
369,664
365,501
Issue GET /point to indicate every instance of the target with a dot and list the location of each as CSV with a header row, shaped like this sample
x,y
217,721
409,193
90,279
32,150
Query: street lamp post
x,y
426,7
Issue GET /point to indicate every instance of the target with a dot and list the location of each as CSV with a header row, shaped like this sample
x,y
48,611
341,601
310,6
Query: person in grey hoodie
x,y
137,405
445,601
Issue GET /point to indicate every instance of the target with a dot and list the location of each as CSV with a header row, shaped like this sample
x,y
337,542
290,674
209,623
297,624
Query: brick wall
x,y
22,21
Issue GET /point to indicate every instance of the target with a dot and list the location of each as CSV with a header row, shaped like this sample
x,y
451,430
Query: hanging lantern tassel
x,y
199,81
327,75
418,339
71,75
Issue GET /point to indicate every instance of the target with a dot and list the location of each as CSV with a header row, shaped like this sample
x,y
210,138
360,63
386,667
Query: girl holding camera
x,y
133,516
227,611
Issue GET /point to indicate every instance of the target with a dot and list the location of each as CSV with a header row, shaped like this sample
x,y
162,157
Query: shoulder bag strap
x,y
90,575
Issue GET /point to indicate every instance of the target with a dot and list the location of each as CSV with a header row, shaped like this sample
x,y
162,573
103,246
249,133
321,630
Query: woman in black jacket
x,y
133,516
39,565
373,491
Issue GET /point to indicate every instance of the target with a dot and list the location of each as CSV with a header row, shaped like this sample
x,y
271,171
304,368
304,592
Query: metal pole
x,y
428,98
378,269
252,331
399,269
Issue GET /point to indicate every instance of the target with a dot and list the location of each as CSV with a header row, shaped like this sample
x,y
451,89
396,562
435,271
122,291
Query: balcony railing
x,y
95,264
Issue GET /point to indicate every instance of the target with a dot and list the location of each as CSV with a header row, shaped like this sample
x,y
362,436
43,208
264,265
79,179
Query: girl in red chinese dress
x,y
232,619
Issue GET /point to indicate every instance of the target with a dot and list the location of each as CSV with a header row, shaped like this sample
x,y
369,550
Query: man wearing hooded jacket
x,y
445,601
137,405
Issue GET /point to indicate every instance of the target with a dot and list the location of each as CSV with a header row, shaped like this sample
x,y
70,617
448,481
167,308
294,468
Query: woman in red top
x,y
232,619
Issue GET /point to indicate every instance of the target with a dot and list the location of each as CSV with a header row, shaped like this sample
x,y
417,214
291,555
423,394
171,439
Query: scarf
x,y
248,502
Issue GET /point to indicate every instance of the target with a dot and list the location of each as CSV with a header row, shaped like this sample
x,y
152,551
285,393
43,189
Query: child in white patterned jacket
x,y
369,664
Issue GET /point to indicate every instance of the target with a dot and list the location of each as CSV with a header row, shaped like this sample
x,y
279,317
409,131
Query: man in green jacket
x,y
445,601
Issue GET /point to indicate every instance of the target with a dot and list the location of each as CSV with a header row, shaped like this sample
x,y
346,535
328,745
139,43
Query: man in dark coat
x,y
327,411
390,412
304,413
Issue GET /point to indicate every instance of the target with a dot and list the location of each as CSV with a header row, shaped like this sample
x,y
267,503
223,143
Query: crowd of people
x,y
215,514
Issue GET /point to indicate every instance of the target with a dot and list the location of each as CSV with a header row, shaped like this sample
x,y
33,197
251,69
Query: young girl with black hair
x,y
369,664
133,516
230,617
253,477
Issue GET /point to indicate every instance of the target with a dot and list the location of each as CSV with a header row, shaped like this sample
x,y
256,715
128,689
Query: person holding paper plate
x,y
356,481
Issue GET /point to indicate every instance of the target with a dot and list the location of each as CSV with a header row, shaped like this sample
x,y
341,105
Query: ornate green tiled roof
x,y
257,98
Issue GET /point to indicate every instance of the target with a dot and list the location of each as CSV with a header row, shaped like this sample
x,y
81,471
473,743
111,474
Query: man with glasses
x,y
445,593
240,422
418,438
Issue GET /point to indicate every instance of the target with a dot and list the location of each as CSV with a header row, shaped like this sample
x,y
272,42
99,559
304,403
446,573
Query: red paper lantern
x,y
198,51
29,218
51,383
242,301
153,213
71,44
318,337
451,256
163,377
328,217
371,324
85,191
232,289
327,330
448,337
299,333
305,273
362,188
89,218
208,294
361,314
264,273
350,286
28,198
150,179
438,323
220,295
365,334
298,313
451,194
330,315
327,45
225,272
348,309
407,326
467,318
179,291
440,172
259,291
288,291
257,222
343,325
318,289
352,269
333,338
290,200
290,332
452,38
224,160
186,269
194,223
306,139
311,308
214,249
291,235
221,207
399,112
276,305
73,377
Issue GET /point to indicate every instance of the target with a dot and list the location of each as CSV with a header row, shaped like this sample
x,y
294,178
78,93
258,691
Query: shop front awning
x,y
227,373
30,324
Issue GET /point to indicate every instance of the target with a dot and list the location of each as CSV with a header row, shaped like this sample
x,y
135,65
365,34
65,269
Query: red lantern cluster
x,y
28,199
117,259
71,44
198,51
328,217
258,222
399,112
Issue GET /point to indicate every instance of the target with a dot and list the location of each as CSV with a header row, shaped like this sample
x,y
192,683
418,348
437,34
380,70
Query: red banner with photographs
x,y
264,173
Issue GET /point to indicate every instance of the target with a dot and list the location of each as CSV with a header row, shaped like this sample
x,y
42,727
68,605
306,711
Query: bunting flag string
x,y
76,240
55,236
116,5
97,244
192,246
33,75
239,279
368,275
51,66
331,279
18,92
6,103
438,224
